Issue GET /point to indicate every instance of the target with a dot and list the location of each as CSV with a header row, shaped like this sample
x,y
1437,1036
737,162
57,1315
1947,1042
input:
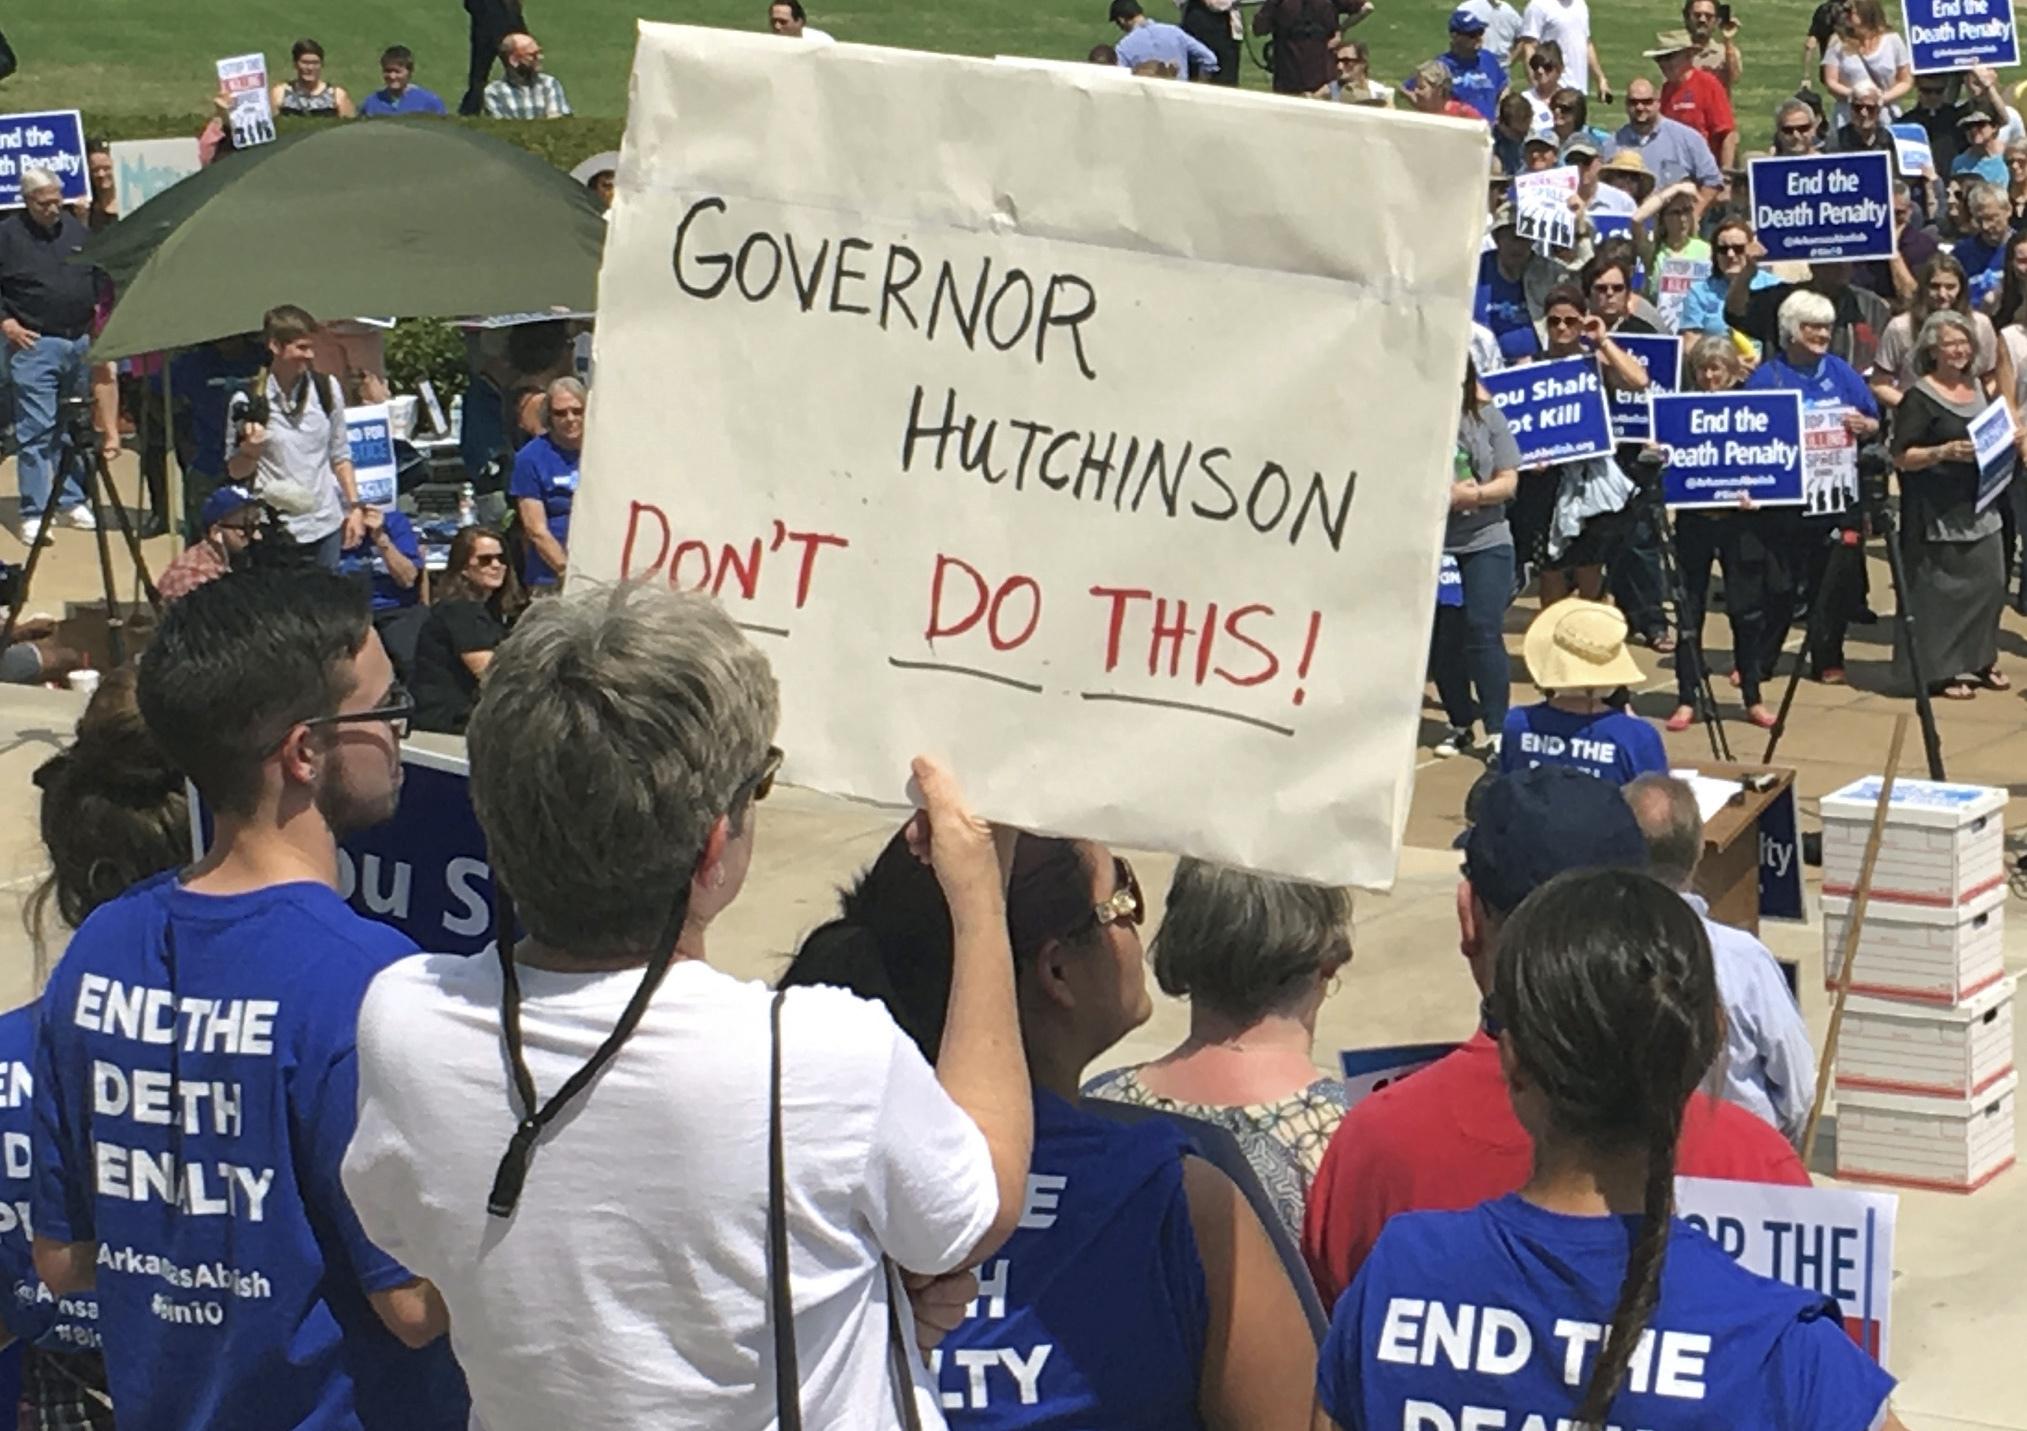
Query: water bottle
x,y
467,507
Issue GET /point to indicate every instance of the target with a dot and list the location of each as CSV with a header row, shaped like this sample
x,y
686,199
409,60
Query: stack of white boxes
x,y
1925,1077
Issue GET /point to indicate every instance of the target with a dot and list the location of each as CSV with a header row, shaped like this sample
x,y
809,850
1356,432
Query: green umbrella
x,y
418,218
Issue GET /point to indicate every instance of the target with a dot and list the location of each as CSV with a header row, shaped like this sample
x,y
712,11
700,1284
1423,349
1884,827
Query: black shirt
x,y
445,688
38,286
1945,140
1861,317
1302,30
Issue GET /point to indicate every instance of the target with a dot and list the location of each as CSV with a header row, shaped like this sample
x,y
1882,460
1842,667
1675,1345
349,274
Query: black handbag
x,y
781,1304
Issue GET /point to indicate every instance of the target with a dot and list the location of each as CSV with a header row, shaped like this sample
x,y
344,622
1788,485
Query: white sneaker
x,y
78,517
1454,742
1491,748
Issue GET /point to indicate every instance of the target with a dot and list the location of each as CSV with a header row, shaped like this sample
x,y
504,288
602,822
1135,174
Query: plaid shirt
x,y
197,565
541,98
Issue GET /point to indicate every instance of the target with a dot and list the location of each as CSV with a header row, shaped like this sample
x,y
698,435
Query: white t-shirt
x,y
1887,59
630,1287
1568,23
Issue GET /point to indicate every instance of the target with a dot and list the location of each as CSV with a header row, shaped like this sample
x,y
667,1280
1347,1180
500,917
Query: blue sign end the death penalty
x,y
1661,355
1814,208
1724,446
52,140
1556,410
1957,34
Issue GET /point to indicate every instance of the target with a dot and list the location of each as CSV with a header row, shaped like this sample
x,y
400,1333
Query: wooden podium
x,y
1729,877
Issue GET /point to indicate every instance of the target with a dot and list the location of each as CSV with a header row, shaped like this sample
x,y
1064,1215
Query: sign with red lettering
x,y
1117,482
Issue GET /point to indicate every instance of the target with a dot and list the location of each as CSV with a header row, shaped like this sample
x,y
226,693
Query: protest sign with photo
x,y
1724,446
1945,35
143,168
1019,515
1911,148
1993,438
1541,207
50,139
1556,410
1367,1070
244,77
424,871
1835,1241
1829,461
1661,355
1820,207
1674,276
371,436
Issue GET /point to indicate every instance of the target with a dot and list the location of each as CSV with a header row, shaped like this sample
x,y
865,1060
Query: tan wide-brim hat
x,y
1628,161
1578,645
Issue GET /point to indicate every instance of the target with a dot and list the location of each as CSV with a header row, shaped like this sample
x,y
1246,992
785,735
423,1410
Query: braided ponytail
x,y
1604,984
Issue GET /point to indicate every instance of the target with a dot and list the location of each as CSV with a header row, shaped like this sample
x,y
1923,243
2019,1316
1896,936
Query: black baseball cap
x,y
1532,825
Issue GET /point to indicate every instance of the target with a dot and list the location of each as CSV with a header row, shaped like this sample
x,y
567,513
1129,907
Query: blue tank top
x,y
31,1311
1094,1312
1500,303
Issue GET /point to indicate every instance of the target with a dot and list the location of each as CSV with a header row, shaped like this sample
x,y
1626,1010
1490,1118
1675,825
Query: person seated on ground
x,y
113,814
544,484
1148,1276
1254,956
388,558
1576,654
229,525
475,603
399,93
1609,1020
308,95
619,757
1768,1067
1446,1137
523,90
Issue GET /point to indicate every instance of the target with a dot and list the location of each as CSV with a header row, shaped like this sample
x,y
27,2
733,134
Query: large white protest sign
x,y
143,168
1120,485
1831,1240
244,78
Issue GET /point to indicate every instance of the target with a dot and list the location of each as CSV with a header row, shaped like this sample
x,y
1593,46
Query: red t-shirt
x,y
1445,1139
1699,101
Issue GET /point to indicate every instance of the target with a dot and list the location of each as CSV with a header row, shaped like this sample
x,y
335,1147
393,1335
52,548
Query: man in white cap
x,y
1576,654
46,308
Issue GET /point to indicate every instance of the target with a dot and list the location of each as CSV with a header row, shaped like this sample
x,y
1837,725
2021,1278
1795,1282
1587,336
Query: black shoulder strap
x,y
787,1379
323,386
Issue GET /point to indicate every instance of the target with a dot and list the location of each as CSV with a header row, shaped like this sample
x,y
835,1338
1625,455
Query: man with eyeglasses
x,y
523,90
195,1085
1502,26
1671,150
1983,151
230,526
1797,128
1476,78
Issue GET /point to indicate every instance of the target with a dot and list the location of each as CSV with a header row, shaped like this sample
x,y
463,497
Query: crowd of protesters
x,y
290,1170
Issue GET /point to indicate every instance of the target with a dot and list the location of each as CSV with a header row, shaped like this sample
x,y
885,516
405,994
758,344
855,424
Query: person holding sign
x,y
1747,547
1956,568
1703,305
1139,1289
1866,47
1586,1287
1982,252
1447,1137
1469,649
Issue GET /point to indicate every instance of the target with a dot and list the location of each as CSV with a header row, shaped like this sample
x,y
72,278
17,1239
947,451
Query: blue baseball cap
x,y
1465,22
1532,825
223,503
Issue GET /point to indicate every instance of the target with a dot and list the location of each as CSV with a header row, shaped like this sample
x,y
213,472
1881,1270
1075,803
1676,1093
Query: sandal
x,y
1680,720
1832,676
1736,679
1760,716
1662,643
1994,679
1960,689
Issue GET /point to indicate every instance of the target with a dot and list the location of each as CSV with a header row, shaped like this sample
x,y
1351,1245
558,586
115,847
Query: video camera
x,y
1874,463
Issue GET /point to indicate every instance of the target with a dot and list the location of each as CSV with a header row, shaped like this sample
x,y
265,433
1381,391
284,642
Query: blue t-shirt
x,y
1611,745
1094,1313
1984,265
365,560
1989,167
195,1087
413,100
1500,1310
1501,305
31,1312
1477,82
549,475
1831,380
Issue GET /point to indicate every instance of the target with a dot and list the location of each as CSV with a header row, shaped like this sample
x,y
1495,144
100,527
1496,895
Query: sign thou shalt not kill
x,y
953,430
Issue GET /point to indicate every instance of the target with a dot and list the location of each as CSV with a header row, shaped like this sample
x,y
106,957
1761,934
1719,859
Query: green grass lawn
x,y
126,62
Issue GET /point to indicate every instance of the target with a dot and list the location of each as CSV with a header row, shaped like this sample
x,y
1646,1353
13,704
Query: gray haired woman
x,y
1254,956
1956,568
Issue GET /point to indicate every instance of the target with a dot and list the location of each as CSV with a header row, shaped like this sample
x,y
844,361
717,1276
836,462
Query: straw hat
x,y
1670,42
1578,645
1628,161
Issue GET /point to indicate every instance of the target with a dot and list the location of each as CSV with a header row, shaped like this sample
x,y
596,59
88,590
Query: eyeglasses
x,y
1552,321
1562,108
1541,64
759,785
1633,101
1607,288
488,559
245,529
1126,902
1865,109
398,712
1798,129
1729,247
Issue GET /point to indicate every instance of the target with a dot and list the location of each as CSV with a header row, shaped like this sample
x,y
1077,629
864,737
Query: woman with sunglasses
x,y
1141,1290
1867,48
1255,957
1703,306
1544,76
476,602
1571,113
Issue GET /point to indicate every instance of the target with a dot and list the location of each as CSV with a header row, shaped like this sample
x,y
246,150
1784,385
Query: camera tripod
x,y
79,458
1840,573
1688,642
